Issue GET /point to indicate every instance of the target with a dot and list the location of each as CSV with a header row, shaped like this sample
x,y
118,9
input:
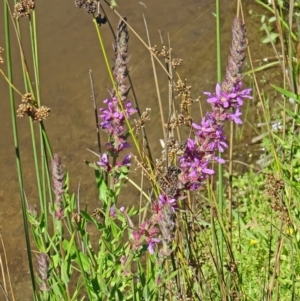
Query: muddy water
x,y
68,48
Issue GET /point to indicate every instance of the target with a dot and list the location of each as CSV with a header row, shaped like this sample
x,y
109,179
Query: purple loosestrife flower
x,y
137,237
105,165
226,103
193,165
147,231
112,212
163,200
158,206
58,177
125,162
113,118
118,110
211,136
43,268
162,219
103,162
225,100
114,123
150,236
164,215
235,117
151,244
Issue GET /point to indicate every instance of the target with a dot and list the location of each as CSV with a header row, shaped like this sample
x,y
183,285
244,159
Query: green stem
x,y
44,169
220,169
16,147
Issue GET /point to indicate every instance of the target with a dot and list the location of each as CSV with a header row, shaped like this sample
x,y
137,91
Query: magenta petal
x,y
208,171
218,89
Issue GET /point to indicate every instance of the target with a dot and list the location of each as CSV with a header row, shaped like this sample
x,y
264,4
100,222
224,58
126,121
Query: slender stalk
x,y
230,195
156,83
34,50
16,146
170,86
220,167
95,110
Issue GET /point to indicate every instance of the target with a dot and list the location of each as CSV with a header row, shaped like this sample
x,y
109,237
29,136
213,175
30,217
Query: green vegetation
x,y
188,237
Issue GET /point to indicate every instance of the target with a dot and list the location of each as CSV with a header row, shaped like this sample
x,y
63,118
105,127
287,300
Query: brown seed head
x,y
42,113
23,8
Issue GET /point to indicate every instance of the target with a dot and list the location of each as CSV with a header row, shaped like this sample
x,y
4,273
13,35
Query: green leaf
x,y
286,93
293,115
283,143
103,286
66,183
72,203
55,259
66,262
107,245
85,261
124,170
133,211
69,247
66,270
113,3
86,216
141,274
42,225
172,275
272,19
37,238
115,230
241,221
92,165
270,38
102,187
89,218
146,293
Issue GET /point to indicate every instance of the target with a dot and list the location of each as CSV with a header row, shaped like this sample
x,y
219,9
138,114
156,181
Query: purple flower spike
x,y
112,212
219,98
163,200
235,117
228,100
125,162
136,239
58,177
104,162
129,110
114,123
151,244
